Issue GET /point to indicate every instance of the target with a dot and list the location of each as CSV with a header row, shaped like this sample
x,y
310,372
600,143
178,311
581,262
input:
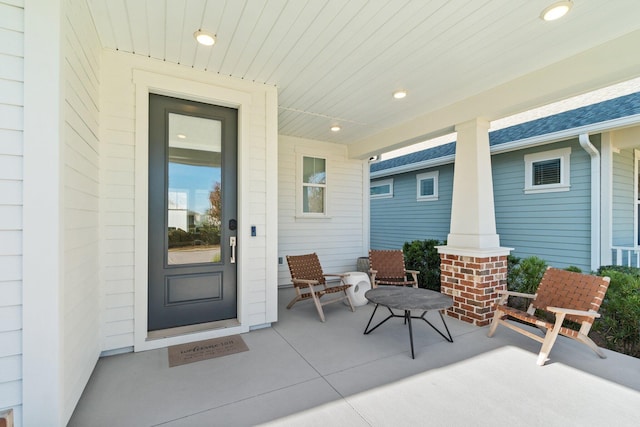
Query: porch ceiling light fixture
x,y
556,10
399,94
205,38
335,128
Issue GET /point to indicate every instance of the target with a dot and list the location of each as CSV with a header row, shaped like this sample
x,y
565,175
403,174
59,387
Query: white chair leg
x,y
316,301
295,299
549,340
346,294
494,323
589,342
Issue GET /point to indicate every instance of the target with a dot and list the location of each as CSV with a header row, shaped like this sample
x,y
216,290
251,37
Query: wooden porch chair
x,y
386,267
310,282
567,295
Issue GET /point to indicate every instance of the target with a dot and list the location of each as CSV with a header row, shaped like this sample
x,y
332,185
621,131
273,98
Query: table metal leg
x,y
407,319
367,330
449,338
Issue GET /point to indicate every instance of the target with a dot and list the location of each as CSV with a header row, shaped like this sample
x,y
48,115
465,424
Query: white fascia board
x,y
563,135
426,164
519,144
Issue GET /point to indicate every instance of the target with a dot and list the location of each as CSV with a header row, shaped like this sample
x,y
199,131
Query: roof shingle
x,y
616,108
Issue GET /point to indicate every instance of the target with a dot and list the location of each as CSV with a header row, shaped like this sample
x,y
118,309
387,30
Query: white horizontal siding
x,y
117,211
81,332
338,240
11,176
402,218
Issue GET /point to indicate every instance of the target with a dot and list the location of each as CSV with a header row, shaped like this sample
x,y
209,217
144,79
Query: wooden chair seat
x,y
311,283
534,320
563,294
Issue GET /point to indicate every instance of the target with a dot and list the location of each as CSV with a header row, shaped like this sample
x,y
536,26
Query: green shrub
x,y
634,271
525,275
574,269
512,272
620,310
423,256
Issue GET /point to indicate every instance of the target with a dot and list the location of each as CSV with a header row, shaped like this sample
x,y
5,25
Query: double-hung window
x,y
427,186
313,171
548,171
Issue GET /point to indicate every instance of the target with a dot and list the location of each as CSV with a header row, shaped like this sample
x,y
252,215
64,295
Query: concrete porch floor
x,y
302,372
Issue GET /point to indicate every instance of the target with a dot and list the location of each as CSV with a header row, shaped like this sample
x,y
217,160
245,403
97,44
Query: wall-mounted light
x,y
556,10
181,136
205,38
335,128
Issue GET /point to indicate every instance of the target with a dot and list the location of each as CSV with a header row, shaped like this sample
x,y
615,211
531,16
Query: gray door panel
x,y
192,202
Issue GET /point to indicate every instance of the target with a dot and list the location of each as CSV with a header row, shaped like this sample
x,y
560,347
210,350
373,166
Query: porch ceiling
x,y
338,62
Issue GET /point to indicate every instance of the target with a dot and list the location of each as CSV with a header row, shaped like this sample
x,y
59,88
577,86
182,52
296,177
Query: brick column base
x,y
473,282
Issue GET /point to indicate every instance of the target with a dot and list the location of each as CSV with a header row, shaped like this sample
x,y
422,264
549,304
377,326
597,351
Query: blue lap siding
x,y
555,226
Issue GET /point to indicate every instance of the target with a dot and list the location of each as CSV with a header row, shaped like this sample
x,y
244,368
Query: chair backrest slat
x,y
567,289
389,264
305,267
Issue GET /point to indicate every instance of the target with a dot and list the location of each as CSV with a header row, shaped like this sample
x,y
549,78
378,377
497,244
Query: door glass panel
x,y
194,202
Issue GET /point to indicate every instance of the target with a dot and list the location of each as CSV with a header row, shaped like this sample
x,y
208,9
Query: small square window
x,y
547,171
427,186
381,189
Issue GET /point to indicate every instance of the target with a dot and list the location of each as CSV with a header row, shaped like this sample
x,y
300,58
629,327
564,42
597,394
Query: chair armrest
x,y
516,294
504,295
573,312
412,271
335,275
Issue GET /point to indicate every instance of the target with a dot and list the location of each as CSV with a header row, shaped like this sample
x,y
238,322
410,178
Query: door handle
x,y
232,243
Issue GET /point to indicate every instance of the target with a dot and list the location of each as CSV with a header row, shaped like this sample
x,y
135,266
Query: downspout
x,y
586,144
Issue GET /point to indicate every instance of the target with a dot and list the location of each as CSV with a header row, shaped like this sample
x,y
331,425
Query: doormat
x,y
203,350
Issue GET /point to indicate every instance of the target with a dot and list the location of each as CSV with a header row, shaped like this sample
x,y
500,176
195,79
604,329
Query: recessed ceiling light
x,y
205,38
556,10
399,94
181,136
335,128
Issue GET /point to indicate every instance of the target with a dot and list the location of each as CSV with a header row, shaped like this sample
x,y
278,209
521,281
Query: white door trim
x,y
148,82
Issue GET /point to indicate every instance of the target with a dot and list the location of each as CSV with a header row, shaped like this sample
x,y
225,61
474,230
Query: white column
x,y
606,199
473,223
43,296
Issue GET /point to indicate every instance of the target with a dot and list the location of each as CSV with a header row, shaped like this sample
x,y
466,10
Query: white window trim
x,y
422,177
564,154
300,155
636,202
381,183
